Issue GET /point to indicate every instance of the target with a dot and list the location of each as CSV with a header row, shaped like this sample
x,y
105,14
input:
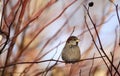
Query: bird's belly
x,y
72,55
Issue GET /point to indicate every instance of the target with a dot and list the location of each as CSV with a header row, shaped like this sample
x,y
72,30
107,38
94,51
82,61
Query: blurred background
x,y
33,34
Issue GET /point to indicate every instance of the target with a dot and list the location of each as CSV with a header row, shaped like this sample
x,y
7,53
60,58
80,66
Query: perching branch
x,y
38,62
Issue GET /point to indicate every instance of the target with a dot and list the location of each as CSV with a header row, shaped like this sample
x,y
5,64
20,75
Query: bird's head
x,y
72,40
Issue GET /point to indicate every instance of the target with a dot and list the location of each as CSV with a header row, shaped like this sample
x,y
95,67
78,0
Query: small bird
x,y
71,51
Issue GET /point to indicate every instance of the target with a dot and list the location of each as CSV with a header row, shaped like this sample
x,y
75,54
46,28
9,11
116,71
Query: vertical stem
x,y
101,47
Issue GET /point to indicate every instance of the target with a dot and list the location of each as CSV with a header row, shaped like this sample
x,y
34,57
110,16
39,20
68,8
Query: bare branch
x,y
96,44
91,65
101,47
37,62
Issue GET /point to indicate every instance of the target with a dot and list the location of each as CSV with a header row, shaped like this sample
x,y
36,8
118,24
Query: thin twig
x,y
2,16
41,29
99,40
112,56
60,30
117,68
118,17
96,44
50,62
11,45
80,73
50,68
38,62
72,31
91,65
49,39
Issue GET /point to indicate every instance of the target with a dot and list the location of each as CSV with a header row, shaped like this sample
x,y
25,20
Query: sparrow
x,y
71,51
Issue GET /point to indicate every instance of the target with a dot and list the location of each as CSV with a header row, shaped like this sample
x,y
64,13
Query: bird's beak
x,y
78,40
